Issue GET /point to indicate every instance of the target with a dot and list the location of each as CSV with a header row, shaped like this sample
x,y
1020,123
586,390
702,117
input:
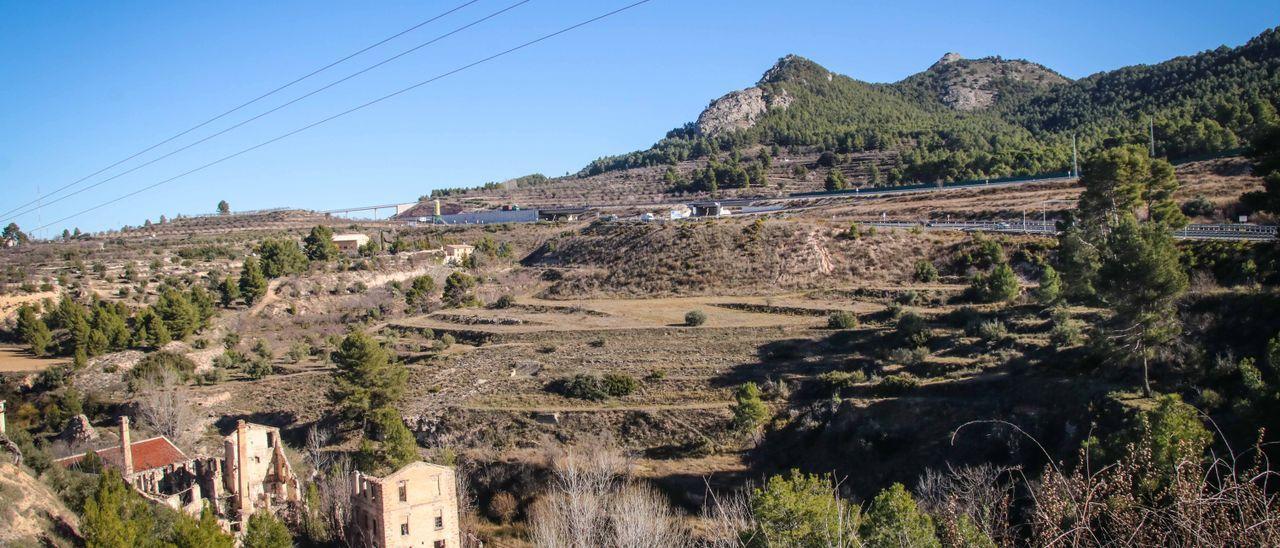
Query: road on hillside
x,y
1236,232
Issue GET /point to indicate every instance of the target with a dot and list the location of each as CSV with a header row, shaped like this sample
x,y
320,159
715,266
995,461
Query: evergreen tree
x,y
224,208
319,246
835,180
281,258
398,446
14,234
253,283
1142,279
228,292
748,409
1050,290
189,532
457,289
420,291
203,304
115,517
1080,260
801,510
265,531
894,520
365,378
33,330
179,315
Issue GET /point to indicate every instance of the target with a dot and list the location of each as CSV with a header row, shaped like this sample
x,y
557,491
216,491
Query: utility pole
x,y
1075,162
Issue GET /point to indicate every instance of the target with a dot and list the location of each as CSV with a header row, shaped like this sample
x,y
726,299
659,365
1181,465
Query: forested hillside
x,y
966,119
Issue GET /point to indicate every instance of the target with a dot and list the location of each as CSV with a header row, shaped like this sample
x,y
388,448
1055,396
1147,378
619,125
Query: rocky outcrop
x,y
739,110
78,431
972,84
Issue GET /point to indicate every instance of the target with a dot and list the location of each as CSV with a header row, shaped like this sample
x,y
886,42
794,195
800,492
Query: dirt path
x,y
597,408
16,359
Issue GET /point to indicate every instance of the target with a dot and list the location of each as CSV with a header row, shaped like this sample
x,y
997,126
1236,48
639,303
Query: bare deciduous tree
x,y
164,407
591,502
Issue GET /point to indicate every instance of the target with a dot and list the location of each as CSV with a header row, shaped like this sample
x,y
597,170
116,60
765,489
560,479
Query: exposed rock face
x,y
739,110
971,84
78,431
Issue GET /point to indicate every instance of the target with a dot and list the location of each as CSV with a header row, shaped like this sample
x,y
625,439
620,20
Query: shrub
x,y
908,356
991,331
258,369
912,330
925,271
155,364
908,298
838,380
1211,399
446,341
843,319
619,384
1199,207
694,318
998,286
1065,330
582,386
503,507
896,384
505,301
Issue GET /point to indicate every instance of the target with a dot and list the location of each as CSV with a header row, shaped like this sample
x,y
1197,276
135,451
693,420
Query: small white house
x,y
679,212
350,243
648,218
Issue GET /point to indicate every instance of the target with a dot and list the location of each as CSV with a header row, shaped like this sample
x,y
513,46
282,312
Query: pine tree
x,y
179,315
224,208
748,409
265,531
1050,290
319,246
33,330
114,517
281,258
802,510
253,284
365,378
835,180
894,519
228,292
1142,279
189,532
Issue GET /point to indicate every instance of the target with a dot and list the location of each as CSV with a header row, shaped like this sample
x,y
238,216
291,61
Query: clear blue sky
x,y
84,84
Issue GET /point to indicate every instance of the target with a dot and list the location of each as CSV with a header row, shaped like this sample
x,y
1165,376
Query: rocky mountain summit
x,y
972,84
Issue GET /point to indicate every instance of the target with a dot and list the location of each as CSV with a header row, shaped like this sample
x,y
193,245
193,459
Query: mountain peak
x,y
948,58
793,67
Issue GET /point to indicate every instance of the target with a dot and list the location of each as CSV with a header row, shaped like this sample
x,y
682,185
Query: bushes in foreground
x,y
585,386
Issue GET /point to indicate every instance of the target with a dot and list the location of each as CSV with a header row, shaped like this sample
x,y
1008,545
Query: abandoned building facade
x,y
252,474
416,505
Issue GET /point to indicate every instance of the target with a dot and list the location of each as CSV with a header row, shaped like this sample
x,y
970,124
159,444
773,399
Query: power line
x,y
242,105
351,110
280,107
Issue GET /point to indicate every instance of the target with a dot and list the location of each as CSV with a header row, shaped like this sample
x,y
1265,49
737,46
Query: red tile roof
x,y
148,454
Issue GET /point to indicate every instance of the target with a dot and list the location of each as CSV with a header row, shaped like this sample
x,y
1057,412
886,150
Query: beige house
x,y
414,506
456,253
350,243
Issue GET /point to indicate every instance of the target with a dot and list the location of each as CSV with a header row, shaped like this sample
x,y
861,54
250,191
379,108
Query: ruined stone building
x,y
252,474
414,506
